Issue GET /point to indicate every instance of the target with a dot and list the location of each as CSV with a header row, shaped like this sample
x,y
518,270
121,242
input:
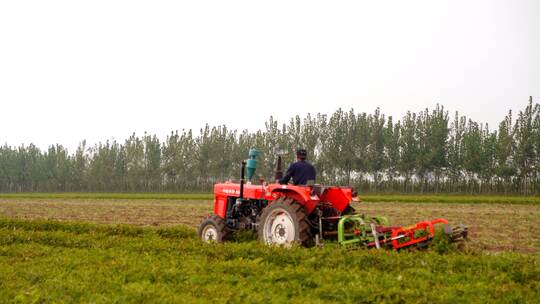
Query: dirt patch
x,y
136,212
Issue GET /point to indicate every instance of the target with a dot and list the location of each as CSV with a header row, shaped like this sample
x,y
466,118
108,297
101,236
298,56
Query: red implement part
x,y
339,197
407,236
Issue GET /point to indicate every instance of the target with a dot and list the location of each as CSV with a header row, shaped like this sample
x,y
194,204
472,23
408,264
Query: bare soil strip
x,y
492,227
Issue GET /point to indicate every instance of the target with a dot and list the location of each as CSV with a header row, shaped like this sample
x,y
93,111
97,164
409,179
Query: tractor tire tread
x,y
224,231
305,237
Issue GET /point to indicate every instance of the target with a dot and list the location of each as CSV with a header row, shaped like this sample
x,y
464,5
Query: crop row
x,y
78,262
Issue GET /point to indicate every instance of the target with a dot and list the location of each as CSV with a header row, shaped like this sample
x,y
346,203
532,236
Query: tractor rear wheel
x,y
284,222
214,229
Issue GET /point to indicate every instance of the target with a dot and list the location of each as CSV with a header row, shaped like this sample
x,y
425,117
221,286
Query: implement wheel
x,y
284,222
214,230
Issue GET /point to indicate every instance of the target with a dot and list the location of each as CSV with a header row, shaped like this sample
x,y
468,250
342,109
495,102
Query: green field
x,y
94,247
402,198
47,261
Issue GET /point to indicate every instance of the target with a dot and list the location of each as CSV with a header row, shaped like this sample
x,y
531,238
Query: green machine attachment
x,y
358,230
252,163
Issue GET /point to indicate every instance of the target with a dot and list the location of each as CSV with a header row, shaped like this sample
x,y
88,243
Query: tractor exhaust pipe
x,y
240,199
279,170
242,180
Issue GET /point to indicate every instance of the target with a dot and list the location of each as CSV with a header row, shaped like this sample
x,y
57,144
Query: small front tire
x,y
214,230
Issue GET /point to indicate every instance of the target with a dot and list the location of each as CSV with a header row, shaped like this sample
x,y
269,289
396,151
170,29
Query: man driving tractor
x,y
300,171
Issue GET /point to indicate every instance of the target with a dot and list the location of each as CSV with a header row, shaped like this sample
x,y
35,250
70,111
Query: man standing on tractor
x,y
301,171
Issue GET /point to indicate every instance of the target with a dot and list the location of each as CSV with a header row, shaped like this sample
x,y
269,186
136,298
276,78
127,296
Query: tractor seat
x,y
317,189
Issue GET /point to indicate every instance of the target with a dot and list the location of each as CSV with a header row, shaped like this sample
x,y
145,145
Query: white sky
x,y
95,70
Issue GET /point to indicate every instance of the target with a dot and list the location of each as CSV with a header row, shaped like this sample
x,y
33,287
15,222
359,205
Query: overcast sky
x,y
95,70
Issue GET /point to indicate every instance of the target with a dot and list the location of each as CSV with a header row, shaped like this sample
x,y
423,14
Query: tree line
x,y
429,151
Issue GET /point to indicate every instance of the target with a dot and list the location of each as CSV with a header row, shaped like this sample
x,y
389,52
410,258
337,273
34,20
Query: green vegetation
x,y
44,261
431,151
400,198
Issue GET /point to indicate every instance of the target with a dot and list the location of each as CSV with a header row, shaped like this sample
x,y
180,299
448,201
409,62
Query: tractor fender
x,y
299,194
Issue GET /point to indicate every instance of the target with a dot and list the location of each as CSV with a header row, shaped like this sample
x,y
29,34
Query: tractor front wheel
x,y
214,229
284,222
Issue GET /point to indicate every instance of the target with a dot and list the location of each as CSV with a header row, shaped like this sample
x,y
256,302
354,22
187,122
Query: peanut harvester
x,y
307,215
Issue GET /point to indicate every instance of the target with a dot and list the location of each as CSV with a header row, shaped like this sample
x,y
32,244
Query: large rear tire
x,y
214,230
285,222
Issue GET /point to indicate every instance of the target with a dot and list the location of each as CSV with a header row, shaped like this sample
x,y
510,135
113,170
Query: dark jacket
x,y
300,171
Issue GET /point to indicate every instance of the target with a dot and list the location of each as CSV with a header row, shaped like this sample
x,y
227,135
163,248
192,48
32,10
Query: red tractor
x,y
287,214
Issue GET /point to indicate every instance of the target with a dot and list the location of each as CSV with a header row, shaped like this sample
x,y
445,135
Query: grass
x,y
48,261
402,198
